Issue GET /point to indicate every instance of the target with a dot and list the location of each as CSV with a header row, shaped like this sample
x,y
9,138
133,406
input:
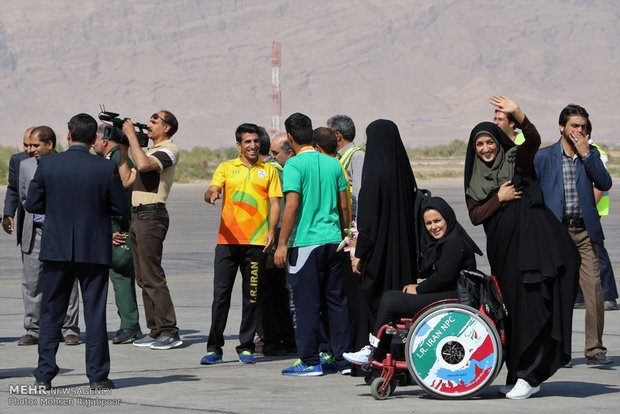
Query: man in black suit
x,y
11,222
77,192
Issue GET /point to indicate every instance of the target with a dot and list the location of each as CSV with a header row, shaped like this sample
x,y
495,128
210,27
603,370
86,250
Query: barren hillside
x,y
428,65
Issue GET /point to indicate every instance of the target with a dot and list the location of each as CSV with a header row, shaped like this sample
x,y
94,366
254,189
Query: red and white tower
x,y
275,92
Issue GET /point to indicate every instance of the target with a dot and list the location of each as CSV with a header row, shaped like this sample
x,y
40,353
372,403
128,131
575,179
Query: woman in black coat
x,y
530,252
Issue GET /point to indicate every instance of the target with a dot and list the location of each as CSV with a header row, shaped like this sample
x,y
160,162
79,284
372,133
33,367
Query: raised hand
x,y
507,106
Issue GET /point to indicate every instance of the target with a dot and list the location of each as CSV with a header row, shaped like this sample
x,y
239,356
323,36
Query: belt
x,y
149,207
574,222
37,225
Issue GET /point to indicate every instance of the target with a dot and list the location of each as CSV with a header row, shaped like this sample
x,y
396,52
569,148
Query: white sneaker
x,y
360,357
522,390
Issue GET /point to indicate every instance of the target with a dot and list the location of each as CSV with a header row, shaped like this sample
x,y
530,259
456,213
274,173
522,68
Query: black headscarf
x,y
386,218
480,178
430,246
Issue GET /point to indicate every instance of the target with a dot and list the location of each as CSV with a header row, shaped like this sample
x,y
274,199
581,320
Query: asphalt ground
x,y
173,381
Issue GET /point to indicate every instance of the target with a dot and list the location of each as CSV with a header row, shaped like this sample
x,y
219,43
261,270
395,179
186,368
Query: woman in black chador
x,y
385,250
385,254
529,250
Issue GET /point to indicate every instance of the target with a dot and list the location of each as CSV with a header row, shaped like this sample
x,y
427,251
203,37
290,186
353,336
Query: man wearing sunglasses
x,y
152,179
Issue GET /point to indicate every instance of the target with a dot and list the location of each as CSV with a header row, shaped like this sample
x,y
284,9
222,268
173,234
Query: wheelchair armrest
x,y
474,274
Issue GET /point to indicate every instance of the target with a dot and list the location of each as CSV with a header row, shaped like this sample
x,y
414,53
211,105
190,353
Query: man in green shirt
x,y
315,215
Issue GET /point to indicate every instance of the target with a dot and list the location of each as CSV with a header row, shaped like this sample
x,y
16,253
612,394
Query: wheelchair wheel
x,y
453,351
375,388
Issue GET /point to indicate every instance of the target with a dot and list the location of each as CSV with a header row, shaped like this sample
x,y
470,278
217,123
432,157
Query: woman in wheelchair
x,y
446,249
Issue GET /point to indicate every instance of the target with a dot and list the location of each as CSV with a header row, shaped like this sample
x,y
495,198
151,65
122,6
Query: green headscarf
x,y
484,179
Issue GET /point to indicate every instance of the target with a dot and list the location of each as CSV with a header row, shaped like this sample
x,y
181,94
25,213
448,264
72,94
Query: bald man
x,y
121,272
281,151
11,200
273,301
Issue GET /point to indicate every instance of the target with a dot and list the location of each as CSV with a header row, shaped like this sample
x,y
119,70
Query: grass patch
x,y
199,163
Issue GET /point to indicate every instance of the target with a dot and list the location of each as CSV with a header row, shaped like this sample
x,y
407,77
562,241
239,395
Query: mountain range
x,y
430,66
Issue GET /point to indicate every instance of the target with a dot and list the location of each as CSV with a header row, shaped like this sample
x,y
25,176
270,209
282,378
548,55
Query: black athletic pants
x,y
228,259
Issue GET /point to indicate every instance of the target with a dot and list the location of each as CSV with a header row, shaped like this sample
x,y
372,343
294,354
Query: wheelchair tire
x,y
453,351
375,388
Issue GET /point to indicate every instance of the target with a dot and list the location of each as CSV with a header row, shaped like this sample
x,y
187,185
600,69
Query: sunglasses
x,y
156,116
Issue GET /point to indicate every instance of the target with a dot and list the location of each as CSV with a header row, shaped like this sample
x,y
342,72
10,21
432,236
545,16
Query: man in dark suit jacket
x,y
77,192
11,222
567,171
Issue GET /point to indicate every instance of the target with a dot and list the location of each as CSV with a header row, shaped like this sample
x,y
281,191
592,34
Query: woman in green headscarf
x,y
529,250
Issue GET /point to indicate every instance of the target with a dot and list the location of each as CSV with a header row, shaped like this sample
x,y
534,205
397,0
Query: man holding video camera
x,y
152,179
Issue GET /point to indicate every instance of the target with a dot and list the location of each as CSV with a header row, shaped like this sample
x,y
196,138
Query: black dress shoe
x,y
599,359
47,385
72,339
106,384
126,335
273,350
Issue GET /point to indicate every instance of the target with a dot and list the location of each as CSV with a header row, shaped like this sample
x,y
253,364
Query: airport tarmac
x,y
173,381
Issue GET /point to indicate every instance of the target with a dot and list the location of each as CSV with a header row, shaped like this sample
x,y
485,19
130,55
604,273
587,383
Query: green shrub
x,y
456,148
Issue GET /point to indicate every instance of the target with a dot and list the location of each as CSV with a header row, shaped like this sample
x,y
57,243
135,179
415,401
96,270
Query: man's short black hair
x,y
45,135
264,141
170,120
589,128
325,138
511,119
344,125
83,128
572,110
299,126
246,128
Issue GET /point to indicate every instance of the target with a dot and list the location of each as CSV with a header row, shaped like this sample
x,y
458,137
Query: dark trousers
x,y
125,299
273,302
228,259
148,231
315,280
396,304
58,279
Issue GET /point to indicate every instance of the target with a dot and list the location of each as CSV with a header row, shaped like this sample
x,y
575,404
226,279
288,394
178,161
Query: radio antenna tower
x,y
275,92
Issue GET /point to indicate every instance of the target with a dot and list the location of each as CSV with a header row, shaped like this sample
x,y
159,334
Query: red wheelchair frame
x,y
454,353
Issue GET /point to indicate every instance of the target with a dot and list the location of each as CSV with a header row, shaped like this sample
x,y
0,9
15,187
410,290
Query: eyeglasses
x,y
156,116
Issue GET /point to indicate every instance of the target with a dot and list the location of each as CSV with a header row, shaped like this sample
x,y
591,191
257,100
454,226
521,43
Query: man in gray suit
x,y
42,141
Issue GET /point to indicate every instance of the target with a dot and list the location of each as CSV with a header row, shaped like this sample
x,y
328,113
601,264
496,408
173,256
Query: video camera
x,y
114,131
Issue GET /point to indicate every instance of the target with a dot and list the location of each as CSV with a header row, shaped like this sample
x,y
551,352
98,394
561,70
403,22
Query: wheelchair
x,y
452,351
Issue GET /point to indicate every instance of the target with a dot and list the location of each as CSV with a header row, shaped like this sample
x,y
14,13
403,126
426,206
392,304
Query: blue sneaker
x,y
211,358
246,357
328,363
302,370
